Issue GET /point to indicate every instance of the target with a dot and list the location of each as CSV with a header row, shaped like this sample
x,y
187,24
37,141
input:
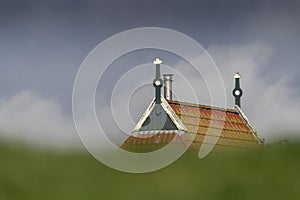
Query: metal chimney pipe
x,y
168,86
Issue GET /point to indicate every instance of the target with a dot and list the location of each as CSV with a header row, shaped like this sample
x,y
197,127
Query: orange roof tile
x,y
201,121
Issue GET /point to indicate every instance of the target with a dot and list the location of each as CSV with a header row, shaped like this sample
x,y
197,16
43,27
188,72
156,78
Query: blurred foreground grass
x,y
273,173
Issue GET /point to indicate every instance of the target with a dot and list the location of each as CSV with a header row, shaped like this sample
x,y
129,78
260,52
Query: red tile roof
x,y
229,125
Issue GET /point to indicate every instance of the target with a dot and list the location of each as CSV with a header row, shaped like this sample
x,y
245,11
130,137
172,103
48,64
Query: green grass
x,y
273,173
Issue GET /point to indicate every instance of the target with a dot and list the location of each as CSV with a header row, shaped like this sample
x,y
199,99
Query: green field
x,y
272,173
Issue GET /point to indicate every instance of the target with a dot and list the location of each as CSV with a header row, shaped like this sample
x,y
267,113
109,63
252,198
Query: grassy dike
x,y
271,173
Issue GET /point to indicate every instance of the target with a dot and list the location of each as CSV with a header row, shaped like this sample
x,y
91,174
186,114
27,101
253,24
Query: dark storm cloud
x,y
36,31
202,16
209,22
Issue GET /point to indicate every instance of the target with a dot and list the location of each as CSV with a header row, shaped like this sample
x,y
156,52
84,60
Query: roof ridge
x,y
202,106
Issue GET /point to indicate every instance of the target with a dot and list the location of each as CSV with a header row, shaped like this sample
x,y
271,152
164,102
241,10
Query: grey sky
x,y
42,44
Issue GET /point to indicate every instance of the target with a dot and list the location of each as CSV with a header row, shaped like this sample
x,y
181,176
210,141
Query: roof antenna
x,y
157,82
237,91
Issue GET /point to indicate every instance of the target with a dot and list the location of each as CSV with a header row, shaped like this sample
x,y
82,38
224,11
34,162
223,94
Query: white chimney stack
x,y
168,86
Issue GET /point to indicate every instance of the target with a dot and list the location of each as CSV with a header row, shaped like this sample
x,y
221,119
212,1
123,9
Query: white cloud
x,y
268,101
31,118
270,104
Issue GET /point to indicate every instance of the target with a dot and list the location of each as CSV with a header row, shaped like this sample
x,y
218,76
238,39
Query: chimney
x,y
237,91
168,86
